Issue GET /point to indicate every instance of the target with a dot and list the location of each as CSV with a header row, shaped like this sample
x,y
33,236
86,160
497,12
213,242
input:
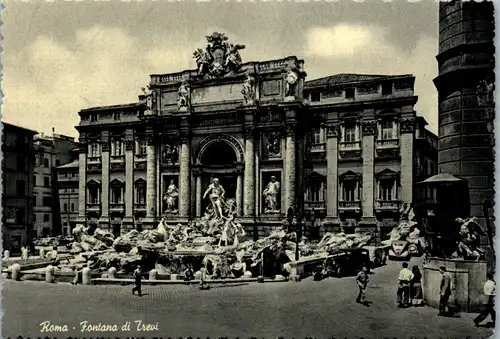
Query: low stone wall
x,y
467,279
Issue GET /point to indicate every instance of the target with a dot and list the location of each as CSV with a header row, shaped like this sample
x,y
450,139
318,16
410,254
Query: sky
x,y
63,56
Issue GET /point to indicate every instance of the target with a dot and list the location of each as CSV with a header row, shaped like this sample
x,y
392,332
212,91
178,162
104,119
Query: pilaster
x,y
198,195
105,180
369,129
407,135
129,177
290,165
332,133
239,191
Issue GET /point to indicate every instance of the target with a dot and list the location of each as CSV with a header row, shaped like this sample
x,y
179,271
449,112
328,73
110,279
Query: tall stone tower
x,y
465,86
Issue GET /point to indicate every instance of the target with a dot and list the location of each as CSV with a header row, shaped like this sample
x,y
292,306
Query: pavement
x,y
325,309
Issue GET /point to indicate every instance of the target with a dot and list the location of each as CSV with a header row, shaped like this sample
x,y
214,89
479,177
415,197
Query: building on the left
x,y
18,176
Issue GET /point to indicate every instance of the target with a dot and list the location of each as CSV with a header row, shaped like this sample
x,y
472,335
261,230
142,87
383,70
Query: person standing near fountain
x,y
445,290
489,290
138,280
217,193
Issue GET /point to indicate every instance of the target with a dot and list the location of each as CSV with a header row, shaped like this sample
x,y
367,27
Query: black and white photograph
x,y
248,169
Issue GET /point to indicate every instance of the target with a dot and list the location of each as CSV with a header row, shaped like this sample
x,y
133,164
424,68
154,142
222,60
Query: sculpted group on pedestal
x,y
219,57
183,96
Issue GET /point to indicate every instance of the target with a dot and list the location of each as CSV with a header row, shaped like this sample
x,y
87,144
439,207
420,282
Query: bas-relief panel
x,y
271,88
216,93
169,98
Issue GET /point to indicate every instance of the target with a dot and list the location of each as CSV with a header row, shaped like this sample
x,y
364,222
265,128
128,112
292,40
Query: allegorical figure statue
x,y
469,239
216,193
148,94
171,197
248,90
291,83
182,100
271,193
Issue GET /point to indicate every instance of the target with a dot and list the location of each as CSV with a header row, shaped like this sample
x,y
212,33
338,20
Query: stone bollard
x,y
297,278
197,275
49,274
25,254
260,279
247,275
153,274
6,255
112,273
42,253
16,272
86,278
279,278
174,277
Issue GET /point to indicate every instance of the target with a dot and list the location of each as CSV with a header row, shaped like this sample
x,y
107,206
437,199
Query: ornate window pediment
x,y
93,182
387,174
350,176
116,182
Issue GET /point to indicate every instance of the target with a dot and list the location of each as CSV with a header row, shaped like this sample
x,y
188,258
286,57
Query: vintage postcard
x,y
248,169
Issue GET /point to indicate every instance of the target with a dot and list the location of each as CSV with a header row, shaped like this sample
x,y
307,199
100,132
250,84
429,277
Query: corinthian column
x,y
406,142
198,195
151,176
369,128
290,165
249,175
82,182
184,178
239,191
332,171
105,181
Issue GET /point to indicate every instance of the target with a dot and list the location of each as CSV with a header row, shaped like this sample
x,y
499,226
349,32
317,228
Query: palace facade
x,y
342,148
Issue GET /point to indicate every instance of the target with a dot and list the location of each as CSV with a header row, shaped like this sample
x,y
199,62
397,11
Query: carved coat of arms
x,y
219,57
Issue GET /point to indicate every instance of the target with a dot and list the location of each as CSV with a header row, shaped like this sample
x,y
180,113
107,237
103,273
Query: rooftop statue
x,y
219,58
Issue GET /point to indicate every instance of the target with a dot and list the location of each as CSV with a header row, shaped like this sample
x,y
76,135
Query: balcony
x,y
350,206
93,160
350,149
94,207
117,166
316,205
387,206
317,148
140,208
140,157
117,159
388,147
117,207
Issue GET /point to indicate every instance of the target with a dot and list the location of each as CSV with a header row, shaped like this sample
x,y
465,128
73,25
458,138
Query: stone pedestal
x,y
467,280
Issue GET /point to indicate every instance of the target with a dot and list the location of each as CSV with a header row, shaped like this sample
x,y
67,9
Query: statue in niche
x,y
270,194
291,83
272,145
485,91
171,197
182,100
170,154
248,90
216,193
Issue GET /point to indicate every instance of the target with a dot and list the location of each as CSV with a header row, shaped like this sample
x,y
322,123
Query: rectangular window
x,y
349,188
93,195
58,162
314,192
34,180
350,93
46,162
116,116
387,88
116,195
140,194
46,218
141,147
72,207
350,133
318,136
117,148
20,187
20,215
47,201
315,96
386,190
93,117
46,182
34,217
94,150
34,201
21,163
65,207
387,129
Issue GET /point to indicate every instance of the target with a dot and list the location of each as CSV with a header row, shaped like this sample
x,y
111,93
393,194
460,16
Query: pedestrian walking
x,y
138,281
489,290
362,281
403,294
416,287
445,290
203,272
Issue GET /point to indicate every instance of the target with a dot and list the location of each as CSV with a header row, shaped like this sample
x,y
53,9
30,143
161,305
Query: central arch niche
x,y
218,153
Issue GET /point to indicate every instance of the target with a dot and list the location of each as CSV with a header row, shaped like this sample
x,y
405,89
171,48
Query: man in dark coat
x,y
445,291
138,281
